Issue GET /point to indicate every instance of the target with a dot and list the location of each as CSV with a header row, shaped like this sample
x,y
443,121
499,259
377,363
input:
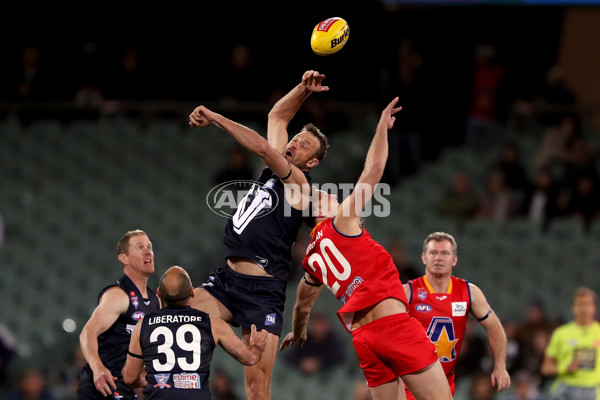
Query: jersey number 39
x,y
192,346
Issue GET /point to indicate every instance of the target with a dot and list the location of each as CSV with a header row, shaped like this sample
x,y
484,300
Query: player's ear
x,y
423,258
312,163
122,258
192,292
158,293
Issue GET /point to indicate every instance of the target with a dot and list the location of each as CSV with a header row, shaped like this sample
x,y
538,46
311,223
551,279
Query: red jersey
x,y
357,269
443,315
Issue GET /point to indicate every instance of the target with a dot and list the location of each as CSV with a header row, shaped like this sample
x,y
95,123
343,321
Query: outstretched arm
x,y
284,110
247,137
496,336
305,299
346,217
245,354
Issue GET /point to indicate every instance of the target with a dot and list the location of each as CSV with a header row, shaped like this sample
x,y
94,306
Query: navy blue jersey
x,y
177,345
114,343
265,226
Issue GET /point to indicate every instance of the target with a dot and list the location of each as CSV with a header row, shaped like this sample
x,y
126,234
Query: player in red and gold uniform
x,y
343,257
442,302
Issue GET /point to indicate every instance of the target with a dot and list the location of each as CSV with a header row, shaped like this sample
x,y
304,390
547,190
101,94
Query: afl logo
x,y
423,307
247,199
137,315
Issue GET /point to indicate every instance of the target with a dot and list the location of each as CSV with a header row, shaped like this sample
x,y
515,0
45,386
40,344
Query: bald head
x,y
175,287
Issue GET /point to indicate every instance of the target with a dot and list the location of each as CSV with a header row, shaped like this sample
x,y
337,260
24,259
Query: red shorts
x,y
392,346
409,395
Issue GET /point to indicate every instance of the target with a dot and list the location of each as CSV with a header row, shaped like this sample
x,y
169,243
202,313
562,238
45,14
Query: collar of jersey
x,y
430,288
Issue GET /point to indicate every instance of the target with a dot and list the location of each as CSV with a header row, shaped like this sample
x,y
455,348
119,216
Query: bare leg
x,y
430,383
206,302
387,391
258,376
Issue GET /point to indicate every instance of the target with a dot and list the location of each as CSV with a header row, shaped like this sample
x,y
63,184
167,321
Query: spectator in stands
x,y
584,200
31,386
482,117
8,350
459,202
497,202
222,387
480,387
514,170
237,167
533,334
526,387
541,203
556,142
555,95
30,81
323,350
406,269
473,353
514,360
405,79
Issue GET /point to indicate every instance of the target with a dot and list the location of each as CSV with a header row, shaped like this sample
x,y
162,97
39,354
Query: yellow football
x,y
329,36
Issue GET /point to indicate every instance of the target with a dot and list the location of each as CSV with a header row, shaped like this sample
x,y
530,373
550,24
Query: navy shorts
x,y
257,300
86,390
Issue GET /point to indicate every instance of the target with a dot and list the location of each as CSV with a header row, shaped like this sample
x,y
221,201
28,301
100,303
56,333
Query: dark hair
x,y
323,141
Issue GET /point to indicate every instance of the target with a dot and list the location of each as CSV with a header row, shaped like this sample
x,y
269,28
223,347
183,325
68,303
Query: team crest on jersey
x,y
186,380
270,319
138,315
423,308
442,335
422,295
134,299
161,380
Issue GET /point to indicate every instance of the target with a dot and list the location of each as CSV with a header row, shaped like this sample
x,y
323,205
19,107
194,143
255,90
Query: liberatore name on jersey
x,y
356,269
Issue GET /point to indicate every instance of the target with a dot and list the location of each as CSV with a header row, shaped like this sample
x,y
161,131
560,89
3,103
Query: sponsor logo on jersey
x,y
423,307
459,308
353,285
422,295
147,302
129,328
117,396
343,299
161,380
138,315
444,297
186,380
270,319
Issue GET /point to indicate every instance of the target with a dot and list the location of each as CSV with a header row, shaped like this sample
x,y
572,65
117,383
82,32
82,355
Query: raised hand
x,y
312,81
